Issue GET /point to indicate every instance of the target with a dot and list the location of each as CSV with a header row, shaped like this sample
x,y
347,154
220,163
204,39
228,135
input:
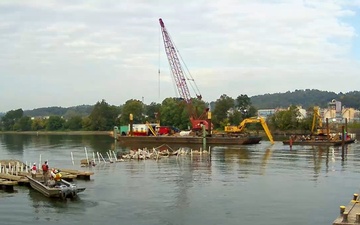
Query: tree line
x,y
170,112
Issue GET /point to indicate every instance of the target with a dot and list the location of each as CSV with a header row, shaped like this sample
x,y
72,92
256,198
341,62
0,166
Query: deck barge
x,y
319,142
189,140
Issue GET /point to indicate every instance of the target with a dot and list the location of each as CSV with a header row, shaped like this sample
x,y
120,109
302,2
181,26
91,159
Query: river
x,y
255,184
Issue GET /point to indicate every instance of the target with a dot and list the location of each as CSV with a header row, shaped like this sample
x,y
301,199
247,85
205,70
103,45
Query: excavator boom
x,y
240,128
317,126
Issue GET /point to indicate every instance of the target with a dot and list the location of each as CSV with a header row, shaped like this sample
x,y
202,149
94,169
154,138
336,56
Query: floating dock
x,y
350,214
14,172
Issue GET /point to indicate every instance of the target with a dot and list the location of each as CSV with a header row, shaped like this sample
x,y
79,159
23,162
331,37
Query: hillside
x,y
305,98
81,110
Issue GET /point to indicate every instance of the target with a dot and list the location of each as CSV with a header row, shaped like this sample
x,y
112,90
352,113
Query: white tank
x,y
185,133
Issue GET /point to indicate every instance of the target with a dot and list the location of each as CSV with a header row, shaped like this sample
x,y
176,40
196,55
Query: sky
x,y
74,52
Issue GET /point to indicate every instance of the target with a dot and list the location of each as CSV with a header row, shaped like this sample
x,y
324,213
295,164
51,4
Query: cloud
x,y
85,51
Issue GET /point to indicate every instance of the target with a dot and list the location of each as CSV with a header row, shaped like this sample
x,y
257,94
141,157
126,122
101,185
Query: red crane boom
x,y
180,80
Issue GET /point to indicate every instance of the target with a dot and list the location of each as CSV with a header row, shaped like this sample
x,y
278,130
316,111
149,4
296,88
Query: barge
x,y
189,140
319,142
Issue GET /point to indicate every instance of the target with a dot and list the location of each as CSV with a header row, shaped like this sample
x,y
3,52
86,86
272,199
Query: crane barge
x,y
197,121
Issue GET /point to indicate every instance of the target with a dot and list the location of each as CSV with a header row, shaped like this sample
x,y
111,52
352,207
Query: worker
x,y
33,171
291,142
56,176
45,169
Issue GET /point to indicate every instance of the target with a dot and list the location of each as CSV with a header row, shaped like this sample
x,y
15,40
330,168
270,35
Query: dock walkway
x,y
350,214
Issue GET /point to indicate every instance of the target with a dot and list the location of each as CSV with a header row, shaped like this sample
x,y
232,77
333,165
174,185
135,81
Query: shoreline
x,y
58,132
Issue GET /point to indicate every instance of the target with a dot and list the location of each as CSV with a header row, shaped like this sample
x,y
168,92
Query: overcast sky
x,y
71,52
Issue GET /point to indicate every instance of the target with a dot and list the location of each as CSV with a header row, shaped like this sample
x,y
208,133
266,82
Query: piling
x,y
209,123
204,136
327,129
131,124
350,214
342,142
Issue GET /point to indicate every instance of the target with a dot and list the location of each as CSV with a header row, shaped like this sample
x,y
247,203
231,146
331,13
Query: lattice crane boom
x,y
180,79
175,65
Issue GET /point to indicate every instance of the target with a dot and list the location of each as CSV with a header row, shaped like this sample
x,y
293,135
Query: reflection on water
x,y
15,143
52,209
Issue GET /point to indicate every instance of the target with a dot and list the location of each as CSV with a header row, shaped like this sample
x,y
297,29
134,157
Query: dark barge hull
x,y
220,141
319,142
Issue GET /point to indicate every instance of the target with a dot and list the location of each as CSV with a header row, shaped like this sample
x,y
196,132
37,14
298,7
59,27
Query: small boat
x,y
63,191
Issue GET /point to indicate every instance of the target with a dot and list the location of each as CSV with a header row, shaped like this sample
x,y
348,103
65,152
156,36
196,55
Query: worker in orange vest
x,y
56,175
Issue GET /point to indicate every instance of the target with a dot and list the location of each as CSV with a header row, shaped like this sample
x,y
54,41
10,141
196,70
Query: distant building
x,y
336,113
266,112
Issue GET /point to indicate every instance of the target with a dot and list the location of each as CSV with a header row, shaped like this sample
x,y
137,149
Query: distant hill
x,y
81,110
305,98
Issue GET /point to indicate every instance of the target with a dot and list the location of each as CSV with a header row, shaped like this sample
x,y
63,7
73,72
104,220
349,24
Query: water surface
x,y
257,184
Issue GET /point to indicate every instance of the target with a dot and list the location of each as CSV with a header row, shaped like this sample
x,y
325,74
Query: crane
x,y
181,82
240,128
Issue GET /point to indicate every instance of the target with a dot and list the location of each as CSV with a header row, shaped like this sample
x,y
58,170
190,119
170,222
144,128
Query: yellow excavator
x,y
317,126
240,128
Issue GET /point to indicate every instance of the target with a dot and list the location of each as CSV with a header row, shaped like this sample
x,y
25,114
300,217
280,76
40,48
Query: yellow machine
x,y
317,126
240,128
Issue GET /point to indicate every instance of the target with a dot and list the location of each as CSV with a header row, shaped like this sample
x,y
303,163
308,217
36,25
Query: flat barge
x,y
319,142
189,140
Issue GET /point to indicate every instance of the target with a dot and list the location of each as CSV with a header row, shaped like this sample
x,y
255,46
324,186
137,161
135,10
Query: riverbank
x,y
58,132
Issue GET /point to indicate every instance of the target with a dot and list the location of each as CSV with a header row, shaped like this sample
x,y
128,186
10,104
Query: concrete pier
x,y
350,214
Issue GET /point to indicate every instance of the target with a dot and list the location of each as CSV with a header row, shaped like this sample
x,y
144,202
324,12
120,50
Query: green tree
x,y
10,118
55,123
174,113
286,119
221,111
103,116
74,123
243,103
86,124
23,124
134,107
152,112
38,124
